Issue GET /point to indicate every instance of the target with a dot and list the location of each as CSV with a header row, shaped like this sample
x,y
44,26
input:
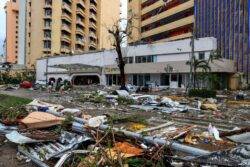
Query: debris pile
x,y
118,128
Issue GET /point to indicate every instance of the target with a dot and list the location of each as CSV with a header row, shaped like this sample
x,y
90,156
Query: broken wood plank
x,y
156,127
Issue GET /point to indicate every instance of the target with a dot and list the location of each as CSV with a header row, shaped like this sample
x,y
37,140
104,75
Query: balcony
x,y
48,5
80,31
47,38
69,1
94,1
80,2
65,49
92,35
80,41
66,28
66,17
92,25
66,38
47,27
80,22
79,11
92,44
46,50
79,50
66,7
93,7
92,16
47,16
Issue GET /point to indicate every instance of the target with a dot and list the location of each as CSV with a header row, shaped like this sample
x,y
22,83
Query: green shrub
x,y
6,78
205,93
125,101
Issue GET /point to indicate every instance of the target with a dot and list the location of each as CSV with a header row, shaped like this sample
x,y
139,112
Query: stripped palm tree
x,y
202,64
198,64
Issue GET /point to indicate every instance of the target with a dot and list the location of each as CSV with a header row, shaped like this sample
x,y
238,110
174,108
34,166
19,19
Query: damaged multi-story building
x,y
168,20
164,64
41,28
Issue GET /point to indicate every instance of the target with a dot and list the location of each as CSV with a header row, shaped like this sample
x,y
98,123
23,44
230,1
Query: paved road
x,y
25,93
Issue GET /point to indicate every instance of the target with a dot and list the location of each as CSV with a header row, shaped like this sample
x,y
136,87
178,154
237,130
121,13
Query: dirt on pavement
x,y
8,152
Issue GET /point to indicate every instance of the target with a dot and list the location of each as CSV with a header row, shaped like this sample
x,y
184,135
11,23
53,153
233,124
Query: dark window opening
x,y
86,80
201,56
165,80
174,78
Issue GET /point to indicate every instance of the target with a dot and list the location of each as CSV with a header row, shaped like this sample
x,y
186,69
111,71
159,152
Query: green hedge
x,y
6,78
205,93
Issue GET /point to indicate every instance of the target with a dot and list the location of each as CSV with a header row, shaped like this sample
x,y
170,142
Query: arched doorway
x,y
52,79
86,80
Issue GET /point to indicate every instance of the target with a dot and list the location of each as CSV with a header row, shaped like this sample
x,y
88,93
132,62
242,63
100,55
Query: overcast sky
x,y
3,24
2,18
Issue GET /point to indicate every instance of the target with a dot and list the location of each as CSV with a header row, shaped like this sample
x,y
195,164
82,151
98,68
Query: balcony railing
x,y
66,28
66,38
92,43
79,29
93,16
66,17
93,7
81,22
47,16
65,49
80,11
80,2
46,49
93,25
91,34
48,5
47,27
67,7
47,38
80,41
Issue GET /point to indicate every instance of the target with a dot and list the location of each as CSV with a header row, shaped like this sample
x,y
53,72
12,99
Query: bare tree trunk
x,y
194,75
121,64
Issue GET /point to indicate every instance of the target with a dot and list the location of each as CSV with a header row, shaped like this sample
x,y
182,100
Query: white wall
x,y
174,47
167,51
41,69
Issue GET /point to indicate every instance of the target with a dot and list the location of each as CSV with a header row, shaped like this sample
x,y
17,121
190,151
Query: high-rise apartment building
x,y
12,17
52,27
229,22
156,20
226,20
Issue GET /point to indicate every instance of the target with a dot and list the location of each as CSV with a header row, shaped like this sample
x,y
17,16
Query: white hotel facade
x,y
145,63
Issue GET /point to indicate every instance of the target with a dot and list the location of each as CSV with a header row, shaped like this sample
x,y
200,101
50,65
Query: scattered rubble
x,y
107,127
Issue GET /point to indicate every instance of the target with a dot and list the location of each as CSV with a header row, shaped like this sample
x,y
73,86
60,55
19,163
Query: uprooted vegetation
x,y
111,150
125,101
154,118
11,101
13,114
101,99
93,97
127,119
12,108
